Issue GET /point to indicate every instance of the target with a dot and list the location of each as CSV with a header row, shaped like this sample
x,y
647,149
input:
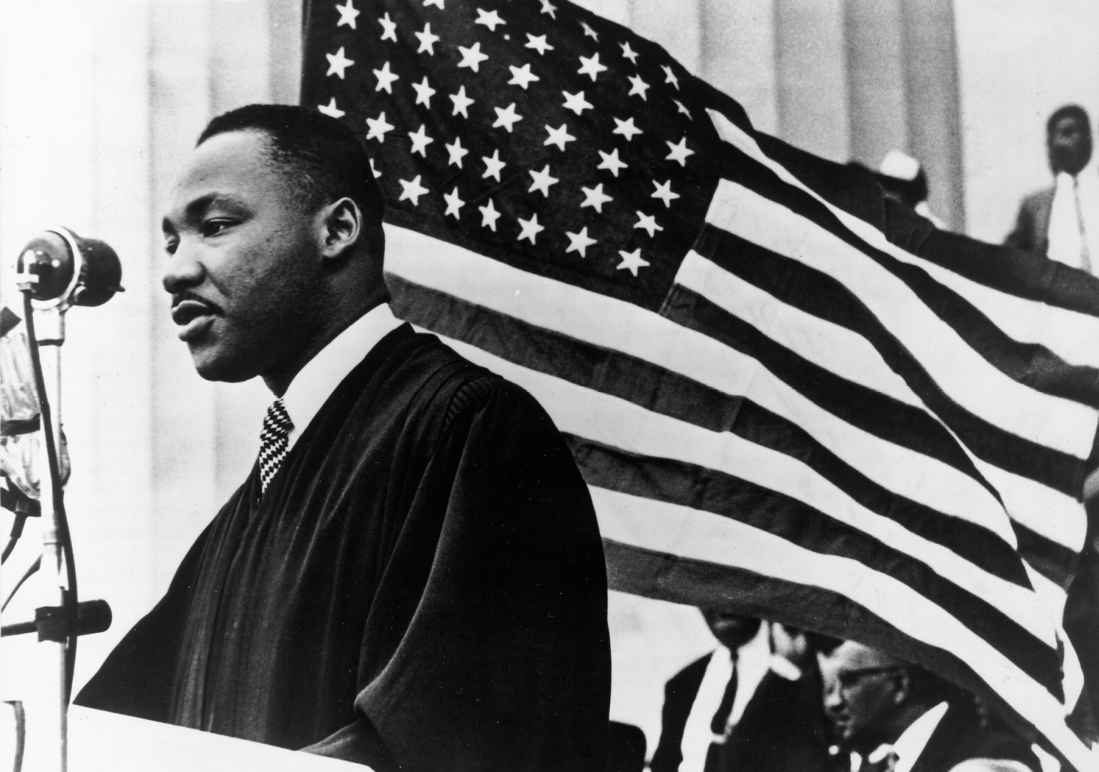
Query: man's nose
x,y
183,270
833,696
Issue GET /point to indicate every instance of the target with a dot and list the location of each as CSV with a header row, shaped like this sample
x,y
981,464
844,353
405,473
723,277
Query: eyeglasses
x,y
848,679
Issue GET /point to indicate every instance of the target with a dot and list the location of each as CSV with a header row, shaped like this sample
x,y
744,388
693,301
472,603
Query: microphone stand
x,y
50,334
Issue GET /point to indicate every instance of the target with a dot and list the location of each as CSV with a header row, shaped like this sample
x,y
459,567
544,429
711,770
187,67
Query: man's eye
x,y
170,245
214,227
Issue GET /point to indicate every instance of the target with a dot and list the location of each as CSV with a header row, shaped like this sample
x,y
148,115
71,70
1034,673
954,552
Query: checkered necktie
x,y
272,442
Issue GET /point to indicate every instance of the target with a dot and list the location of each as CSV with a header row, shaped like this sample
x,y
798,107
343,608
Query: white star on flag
x,y
590,66
411,190
664,192
541,181
576,102
538,43
529,229
626,128
348,15
437,3
611,162
472,57
374,169
549,9
681,108
631,261
629,53
489,215
454,203
559,136
424,92
338,63
506,117
638,87
522,76
669,76
679,151
455,152
595,198
493,166
378,127
389,28
461,102
579,241
420,141
647,223
331,110
427,40
490,19
589,32
385,77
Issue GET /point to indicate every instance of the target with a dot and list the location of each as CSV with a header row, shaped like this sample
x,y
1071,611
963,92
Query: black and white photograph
x,y
540,386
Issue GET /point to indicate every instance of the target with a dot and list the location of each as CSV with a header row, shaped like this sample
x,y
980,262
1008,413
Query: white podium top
x,y
108,741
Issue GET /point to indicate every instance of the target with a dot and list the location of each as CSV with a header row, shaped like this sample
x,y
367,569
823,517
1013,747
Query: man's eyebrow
x,y
195,209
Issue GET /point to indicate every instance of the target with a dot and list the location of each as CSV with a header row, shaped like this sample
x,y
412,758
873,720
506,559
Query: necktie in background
x,y
720,722
1085,254
273,442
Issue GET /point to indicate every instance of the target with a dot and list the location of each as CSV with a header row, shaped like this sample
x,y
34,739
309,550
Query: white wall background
x,y
100,100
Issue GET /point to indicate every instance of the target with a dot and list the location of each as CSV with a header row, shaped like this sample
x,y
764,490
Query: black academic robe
x,y
421,587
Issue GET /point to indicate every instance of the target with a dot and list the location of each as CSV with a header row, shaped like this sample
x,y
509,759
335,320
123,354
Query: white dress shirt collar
x,y
913,739
320,376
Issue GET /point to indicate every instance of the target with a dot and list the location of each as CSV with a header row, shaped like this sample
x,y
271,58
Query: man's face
x,y
244,268
1069,145
733,630
860,694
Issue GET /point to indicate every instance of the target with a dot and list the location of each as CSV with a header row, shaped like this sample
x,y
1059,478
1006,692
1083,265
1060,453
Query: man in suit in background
x,y
1051,214
751,704
895,717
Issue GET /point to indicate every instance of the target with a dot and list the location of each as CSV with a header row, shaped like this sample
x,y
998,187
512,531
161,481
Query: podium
x,y
102,742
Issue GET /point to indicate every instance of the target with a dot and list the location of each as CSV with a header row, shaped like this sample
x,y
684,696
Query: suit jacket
x,y
959,737
783,727
1031,232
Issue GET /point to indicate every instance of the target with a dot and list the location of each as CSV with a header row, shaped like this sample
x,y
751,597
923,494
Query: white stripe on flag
x,y
582,314
963,374
616,422
698,535
1069,334
1042,509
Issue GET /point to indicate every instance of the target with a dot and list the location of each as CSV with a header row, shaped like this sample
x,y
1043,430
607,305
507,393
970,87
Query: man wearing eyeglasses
x,y
895,717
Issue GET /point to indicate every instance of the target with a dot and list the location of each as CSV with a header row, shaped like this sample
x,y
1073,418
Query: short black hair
x,y
324,158
1068,111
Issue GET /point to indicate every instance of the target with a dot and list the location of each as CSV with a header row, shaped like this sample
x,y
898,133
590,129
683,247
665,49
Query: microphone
x,y
92,616
60,268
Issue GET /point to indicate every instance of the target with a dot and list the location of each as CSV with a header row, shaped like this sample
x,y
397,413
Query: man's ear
x,y
340,225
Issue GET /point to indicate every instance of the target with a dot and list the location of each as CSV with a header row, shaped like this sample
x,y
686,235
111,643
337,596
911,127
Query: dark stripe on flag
x,y
666,575
675,395
823,296
798,523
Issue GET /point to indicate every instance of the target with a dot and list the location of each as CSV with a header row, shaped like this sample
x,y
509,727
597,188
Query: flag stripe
x,y
959,371
727,495
579,315
600,417
723,542
1003,285
1043,505
678,397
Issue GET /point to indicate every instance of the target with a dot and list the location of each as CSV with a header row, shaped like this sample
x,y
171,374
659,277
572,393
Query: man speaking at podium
x,y
411,576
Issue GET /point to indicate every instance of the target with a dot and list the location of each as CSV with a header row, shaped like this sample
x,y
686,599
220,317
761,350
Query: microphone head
x,y
70,270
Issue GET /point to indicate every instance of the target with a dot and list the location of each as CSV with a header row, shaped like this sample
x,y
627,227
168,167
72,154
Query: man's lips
x,y
192,316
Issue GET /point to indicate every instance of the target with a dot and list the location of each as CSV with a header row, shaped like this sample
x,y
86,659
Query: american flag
x,y
774,405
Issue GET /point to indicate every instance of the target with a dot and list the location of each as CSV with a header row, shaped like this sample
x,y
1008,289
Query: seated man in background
x,y
752,704
411,575
895,717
